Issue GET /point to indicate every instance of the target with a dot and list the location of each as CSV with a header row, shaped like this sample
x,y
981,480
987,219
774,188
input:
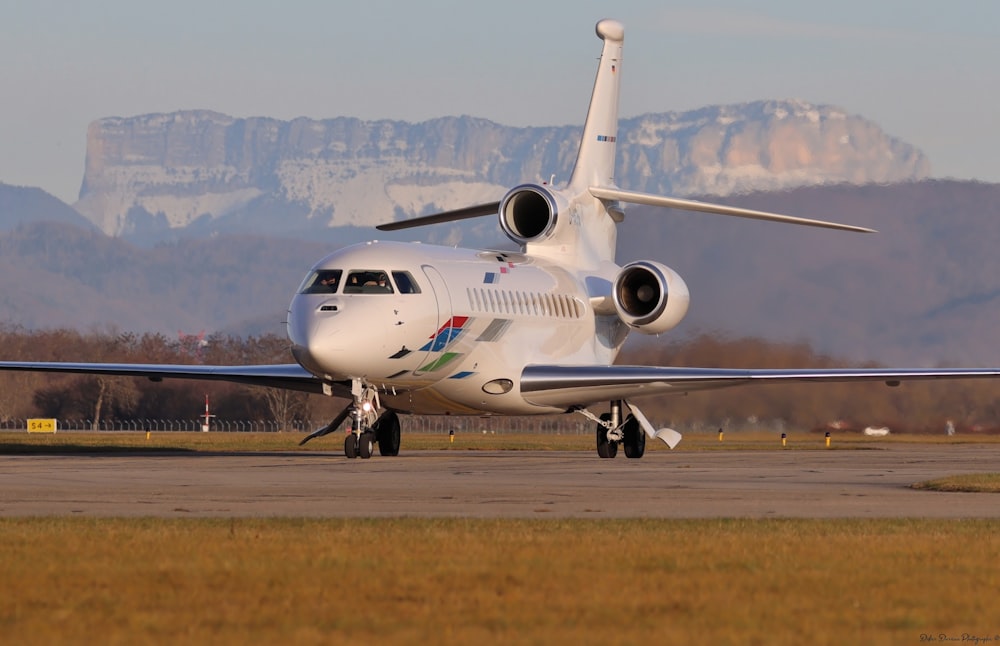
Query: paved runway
x,y
759,484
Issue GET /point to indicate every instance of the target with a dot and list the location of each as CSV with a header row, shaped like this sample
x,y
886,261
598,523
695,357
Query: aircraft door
x,y
443,299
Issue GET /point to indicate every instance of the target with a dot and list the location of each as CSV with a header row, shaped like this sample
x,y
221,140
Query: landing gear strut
x,y
360,442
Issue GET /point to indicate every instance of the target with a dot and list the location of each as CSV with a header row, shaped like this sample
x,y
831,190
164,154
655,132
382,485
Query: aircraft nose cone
x,y
299,325
312,336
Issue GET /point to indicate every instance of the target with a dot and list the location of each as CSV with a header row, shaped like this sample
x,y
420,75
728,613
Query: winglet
x,y
595,163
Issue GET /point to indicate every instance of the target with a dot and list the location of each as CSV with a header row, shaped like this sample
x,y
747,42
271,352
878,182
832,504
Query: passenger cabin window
x,y
405,283
367,282
323,281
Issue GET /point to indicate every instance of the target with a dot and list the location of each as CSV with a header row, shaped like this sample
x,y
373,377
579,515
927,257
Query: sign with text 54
x,y
41,426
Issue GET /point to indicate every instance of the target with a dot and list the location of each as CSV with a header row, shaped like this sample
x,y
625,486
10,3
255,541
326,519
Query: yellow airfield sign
x,y
41,426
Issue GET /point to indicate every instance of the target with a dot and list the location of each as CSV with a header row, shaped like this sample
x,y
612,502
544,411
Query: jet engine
x,y
528,213
650,297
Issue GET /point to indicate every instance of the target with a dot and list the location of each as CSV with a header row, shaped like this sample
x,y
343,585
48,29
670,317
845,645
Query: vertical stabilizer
x,y
595,163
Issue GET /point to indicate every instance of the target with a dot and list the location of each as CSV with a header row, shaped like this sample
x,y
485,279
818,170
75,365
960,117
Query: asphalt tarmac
x,y
510,484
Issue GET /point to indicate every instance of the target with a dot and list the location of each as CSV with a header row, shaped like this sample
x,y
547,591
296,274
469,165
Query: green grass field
x,y
460,581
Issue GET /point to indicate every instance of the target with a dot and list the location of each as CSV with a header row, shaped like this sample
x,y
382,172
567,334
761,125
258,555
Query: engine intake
x,y
650,297
528,213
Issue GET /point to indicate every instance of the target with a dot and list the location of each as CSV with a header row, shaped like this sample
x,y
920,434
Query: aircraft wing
x,y
581,385
290,376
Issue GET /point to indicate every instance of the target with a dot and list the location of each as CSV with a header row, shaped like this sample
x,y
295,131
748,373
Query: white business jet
x,y
414,328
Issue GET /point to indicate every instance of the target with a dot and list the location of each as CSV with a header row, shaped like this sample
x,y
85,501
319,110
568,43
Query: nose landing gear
x,y
367,428
360,442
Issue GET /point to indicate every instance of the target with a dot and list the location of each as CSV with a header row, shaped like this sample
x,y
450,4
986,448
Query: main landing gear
x,y
367,429
612,431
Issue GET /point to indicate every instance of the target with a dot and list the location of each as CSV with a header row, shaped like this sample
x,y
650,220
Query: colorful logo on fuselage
x,y
446,334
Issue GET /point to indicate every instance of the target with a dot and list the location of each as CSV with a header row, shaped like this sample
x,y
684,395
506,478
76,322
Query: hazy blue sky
x,y
925,70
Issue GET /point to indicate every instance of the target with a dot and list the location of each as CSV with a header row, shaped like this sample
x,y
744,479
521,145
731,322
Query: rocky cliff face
x,y
199,169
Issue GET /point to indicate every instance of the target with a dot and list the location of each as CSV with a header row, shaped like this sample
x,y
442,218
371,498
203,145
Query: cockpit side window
x,y
405,282
321,281
367,281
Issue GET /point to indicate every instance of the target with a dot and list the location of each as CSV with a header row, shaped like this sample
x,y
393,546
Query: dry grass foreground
x,y
971,483
117,581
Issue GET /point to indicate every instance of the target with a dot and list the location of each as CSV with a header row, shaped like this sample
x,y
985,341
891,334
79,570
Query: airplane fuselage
x,y
448,330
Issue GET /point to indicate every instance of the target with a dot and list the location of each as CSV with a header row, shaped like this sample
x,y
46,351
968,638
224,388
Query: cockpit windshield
x,y
323,281
367,282
359,281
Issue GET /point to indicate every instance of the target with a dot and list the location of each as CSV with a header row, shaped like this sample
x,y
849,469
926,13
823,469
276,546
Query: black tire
x,y
351,446
387,433
605,447
635,438
366,445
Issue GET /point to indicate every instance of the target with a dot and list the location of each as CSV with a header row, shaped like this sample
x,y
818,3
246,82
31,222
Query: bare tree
x,y
113,393
285,406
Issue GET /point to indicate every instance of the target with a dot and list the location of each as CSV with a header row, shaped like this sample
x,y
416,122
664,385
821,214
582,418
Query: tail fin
x,y
594,173
595,163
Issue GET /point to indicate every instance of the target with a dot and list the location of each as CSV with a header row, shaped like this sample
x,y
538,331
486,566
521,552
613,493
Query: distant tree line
x,y
97,398
914,406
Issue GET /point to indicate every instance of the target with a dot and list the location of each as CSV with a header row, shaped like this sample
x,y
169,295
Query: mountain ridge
x,y
151,177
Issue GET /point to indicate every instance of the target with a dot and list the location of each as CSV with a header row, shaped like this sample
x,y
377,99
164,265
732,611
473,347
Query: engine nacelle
x,y
529,213
650,297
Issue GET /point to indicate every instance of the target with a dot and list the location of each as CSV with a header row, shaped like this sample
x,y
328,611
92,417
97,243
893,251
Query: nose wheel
x,y
360,442
359,446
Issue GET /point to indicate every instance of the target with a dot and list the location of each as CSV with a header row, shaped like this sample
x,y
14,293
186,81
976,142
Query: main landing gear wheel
x,y
387,433
635,438
605,448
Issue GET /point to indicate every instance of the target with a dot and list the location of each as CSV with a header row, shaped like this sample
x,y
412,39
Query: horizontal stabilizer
x,y
477,211
606,193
